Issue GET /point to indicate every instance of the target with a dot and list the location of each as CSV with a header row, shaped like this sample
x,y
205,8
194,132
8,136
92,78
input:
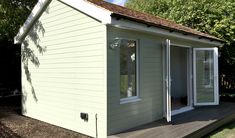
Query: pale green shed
x,y
99,69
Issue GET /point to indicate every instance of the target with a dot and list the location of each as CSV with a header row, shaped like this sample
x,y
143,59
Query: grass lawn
x,y
227,131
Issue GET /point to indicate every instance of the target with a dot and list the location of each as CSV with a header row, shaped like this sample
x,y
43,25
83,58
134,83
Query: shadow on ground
x,y
228,97
226,131
14,125
5,132
7,106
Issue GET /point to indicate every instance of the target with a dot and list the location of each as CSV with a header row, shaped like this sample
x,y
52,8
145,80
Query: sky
x,y
118,2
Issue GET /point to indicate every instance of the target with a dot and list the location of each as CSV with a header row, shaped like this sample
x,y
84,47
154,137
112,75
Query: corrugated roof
x,y
148,19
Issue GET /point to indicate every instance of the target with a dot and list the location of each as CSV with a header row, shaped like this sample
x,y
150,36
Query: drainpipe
x,y
96,126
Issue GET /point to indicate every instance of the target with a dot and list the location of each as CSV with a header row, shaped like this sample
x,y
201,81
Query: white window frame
x,y
137,97
216,80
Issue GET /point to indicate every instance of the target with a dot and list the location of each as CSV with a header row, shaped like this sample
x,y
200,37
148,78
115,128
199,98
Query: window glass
x,y
205,89
128,69
208,72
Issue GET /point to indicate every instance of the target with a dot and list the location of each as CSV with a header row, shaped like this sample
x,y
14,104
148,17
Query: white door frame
x,y
168,79
192,78
216,79
189,81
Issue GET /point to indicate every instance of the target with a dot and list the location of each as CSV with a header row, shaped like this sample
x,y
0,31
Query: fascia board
x,y
131,25
103,15
35,14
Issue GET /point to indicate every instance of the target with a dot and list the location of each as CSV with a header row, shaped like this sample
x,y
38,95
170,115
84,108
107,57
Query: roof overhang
x,y
103,15
135,26
106,17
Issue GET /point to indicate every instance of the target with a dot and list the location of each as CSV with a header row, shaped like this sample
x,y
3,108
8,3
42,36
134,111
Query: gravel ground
x,y
7,133
13,125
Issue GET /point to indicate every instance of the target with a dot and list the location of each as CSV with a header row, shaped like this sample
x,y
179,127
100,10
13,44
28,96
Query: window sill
x,y
125,101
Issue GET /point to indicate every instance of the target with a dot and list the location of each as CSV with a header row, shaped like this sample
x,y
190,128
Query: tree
x,y
215,17
13,14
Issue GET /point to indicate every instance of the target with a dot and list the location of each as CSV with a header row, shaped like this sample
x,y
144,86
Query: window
x,y
128,70
208,71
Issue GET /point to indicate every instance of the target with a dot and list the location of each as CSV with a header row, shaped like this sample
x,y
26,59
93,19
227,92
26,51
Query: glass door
x,y
206,76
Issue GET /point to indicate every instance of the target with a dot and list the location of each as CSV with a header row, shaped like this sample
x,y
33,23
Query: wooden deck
x,y
195,123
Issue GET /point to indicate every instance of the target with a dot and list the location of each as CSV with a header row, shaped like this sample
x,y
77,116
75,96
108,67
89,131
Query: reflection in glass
x,y
128,69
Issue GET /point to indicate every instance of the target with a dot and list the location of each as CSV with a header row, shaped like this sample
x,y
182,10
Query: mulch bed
x,y
5,132
14,125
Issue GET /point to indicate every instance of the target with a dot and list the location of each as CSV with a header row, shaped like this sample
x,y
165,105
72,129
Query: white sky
x,y
118,2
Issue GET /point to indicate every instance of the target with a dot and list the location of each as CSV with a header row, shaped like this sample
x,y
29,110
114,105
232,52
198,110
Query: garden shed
x,y
97,68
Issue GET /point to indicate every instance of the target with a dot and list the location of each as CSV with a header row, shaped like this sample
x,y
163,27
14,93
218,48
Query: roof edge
x,y
137,26
103,15
167,28
99,13
33,17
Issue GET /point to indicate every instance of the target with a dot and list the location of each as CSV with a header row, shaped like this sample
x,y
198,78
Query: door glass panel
x,y
205,76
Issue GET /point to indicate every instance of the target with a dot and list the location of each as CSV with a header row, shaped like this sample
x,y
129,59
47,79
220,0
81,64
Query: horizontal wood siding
x,y
124,116
70,75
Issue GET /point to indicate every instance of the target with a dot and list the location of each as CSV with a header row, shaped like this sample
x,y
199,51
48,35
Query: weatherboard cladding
x,y
70,78
125,116
81,40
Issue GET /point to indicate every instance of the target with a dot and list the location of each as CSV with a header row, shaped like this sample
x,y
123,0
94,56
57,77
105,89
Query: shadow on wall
x,y
28,55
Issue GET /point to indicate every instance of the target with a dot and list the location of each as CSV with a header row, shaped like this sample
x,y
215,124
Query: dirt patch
x,y
20,126
14,125
7,133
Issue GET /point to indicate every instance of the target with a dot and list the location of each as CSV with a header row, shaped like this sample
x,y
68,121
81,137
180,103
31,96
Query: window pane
x,y
208,72
128,69
204,76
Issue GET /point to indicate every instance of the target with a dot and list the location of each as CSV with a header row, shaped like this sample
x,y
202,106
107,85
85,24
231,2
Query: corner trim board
x,y
38,9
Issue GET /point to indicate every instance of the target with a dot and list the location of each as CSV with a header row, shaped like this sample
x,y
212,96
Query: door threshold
x,y
181,110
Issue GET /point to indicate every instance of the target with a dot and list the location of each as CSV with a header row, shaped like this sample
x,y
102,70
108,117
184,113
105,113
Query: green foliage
x,y
215,17
13,14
